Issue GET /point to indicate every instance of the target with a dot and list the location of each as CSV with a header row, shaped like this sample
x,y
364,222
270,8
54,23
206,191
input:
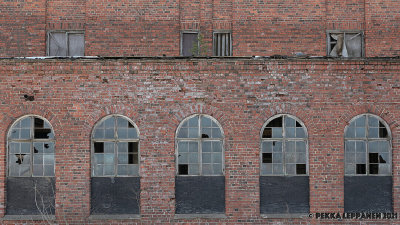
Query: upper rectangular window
x,y
190,44
66,43
222,44
345,43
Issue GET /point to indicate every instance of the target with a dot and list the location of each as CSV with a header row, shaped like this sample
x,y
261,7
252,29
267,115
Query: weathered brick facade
x,y
138,74
241,93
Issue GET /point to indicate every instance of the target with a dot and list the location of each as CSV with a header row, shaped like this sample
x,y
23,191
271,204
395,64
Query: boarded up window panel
x,y
189,44
76,44
57,44
222,44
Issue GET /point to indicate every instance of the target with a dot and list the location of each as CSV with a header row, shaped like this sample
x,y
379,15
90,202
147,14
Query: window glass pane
x,y
24,133
133,170
217,146
276,132
290,122
108,158
277,169
216,133
193,158
277,146
122,158
122,170
183,132
290,132
108,170
206,158
183,146
57,44
300,133
193,132
217,158
37,170
108,147
205,122
372,121
193,147
207,169
76,44
217,169
193,169
193,122
189,44
48,170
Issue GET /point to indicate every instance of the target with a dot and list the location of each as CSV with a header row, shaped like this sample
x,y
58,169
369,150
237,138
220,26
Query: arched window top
x,y
367,146
31,147
31,127
200,126
115,147
200,146
367,126
283,126
284,148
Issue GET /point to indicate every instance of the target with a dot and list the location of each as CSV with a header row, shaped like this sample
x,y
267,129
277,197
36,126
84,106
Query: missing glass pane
x,y
39,123
373,157
267,133
360,169
42,133
133,147
277,122
298,124
373,169
267,157
381,160
99,147
130,125
132,159
183,169
301,169
204,136
20,158
382,130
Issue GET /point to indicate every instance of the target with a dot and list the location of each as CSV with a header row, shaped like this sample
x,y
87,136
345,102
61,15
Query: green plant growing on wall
x,y
199,49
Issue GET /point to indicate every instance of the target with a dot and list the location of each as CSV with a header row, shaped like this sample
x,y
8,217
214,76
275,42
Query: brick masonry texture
x,y
241,93
152,28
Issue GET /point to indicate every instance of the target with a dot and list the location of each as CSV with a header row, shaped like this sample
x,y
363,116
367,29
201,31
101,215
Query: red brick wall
x,y
152,28
240,93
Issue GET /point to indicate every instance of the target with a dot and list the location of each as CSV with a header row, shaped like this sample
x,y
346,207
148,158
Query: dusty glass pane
x,y
360,122
122,133
290,122
277,146
109,147
193,122
108,158
38,147
206,158
25,147
216,133
277,157
98,159
183,132
360,132
350,169
193,158
25,133
290,132
133,170
206,146
217,158
384,169
132,133
108,170
37,170
267,146
350,158
48,170
13,170
361,158
122,158
183,146
300,146
206,133
301,158
26,123
216,145
48,159
48,147
207,169
290,157
350,146
360,147
217,169
38,159
276,132
277,169
373,122
193,169
300,133
24,170
290,146
14,133
183,158
351,132
291,169
193,132
384,158
123,147
373,132
109,133
122,170
98,133
193,146
266,169
205,122
14,147
98,170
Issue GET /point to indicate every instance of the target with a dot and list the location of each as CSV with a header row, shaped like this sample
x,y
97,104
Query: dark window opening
x,y
20,158
301,169
343,44
99,147
222,44
39,123
360,169
382,130
374,169
381,160
204,136
132,147
267,157
42,133
267,133
130,125
373,157
35,150
183,169
298,124
276,122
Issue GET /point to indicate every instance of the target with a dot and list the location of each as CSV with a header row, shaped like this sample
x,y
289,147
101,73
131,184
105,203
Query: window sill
x,y
29,217
285,216
194,216
114,217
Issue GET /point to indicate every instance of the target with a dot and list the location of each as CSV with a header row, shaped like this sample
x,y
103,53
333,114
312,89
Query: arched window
x,y
200,180
284,147
200,147
284,181
115,167
31,148
115,147
367,146
31,161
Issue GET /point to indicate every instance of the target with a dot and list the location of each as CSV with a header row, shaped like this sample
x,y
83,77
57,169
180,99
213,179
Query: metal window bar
x,y
222,44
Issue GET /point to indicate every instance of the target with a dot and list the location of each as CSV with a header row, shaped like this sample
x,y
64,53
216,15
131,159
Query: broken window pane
x,y
301,169
267,157
99,147
360,168
183,169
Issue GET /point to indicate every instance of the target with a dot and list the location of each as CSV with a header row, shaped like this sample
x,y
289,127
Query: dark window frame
x,y
198,42
215,50
67,32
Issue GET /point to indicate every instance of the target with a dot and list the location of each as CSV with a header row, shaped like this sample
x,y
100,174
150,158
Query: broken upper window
x,y
367,146
190,44
200,146
345,43
31,148
284,147
115,147
222,44
66,43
